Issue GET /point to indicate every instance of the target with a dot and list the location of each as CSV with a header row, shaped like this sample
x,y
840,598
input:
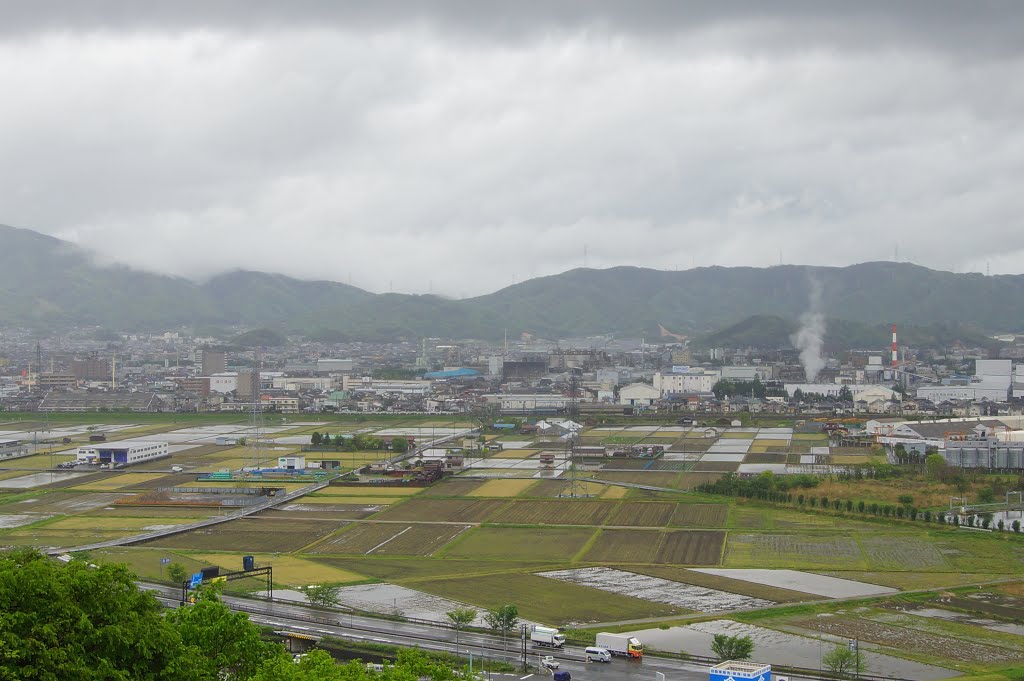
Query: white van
x,y
595,654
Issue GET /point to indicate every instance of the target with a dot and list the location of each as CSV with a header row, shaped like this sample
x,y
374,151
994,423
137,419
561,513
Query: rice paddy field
x,y
635,543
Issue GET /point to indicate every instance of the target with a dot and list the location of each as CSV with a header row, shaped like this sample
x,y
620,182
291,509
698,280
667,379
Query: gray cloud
x,y
978,27
459,150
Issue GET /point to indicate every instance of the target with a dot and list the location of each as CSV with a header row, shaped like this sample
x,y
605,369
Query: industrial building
x,y
992,381
125,452
988,452
292,463
223,382
754,372
12,448
326,366
639,395
686,380
529,404
96,401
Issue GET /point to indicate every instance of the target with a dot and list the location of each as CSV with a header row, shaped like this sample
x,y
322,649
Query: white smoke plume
x,y
810,337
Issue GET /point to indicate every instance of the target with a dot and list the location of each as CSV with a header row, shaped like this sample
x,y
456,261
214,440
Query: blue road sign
x,y
196,580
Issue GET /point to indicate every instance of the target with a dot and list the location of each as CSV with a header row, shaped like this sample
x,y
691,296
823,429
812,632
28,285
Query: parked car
x,y
549,662
177,469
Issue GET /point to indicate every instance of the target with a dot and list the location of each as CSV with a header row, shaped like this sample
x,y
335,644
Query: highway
x,y
295,617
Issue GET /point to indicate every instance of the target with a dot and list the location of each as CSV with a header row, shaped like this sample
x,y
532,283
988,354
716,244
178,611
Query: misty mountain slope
x,y
46,281
49,283
875,293
258,298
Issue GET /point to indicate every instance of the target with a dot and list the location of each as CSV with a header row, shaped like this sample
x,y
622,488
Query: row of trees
x,y
357,442
501,620
730,388
778,489
763,486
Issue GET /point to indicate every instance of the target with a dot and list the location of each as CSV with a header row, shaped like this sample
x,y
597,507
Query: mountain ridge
x,y
49,283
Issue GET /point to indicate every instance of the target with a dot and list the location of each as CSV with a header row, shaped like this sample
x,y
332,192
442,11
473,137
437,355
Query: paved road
x,y
270,502
295,617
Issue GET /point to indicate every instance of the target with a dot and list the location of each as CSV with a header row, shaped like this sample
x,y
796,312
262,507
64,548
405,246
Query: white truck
x,y
620,644
546,636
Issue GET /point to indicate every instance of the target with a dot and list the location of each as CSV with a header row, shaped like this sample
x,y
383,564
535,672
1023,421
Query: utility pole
x,y
522,629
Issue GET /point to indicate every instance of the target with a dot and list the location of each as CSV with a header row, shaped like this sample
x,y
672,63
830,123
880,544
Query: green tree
x,y
317,439
845,394
225,645
399,445
323,595
503,620
317,665
177,572
77,622
460,618
935,466
732,647
986,495
843,661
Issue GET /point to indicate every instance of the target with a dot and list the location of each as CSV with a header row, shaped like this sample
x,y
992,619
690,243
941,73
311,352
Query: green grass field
x,y
557,544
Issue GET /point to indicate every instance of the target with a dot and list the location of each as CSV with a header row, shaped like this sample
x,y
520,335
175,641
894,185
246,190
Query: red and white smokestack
x,y
894,355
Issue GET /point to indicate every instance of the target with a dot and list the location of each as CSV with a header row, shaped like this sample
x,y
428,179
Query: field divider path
x,y
395,536
179,529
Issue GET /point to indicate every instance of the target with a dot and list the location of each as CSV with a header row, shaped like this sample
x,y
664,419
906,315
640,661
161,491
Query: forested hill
x,y
50,284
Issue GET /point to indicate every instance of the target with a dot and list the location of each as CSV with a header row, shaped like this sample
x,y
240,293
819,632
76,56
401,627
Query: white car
x,y
549,662
177,469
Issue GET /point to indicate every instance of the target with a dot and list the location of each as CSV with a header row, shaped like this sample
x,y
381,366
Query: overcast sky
x,y
460,147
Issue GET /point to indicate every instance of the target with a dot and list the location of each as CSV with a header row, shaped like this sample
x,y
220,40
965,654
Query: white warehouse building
x,y
125,452
224,382
690,380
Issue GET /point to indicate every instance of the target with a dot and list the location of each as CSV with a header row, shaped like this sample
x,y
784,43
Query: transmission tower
x,y
256,416
575,484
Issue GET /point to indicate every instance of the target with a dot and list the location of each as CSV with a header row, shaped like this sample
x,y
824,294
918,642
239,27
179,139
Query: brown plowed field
x,y
444,510
691,548
699,515
569,512
643,514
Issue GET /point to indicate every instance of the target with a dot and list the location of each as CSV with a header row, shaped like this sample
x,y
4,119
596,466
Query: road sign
x,y
196,580
165,561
